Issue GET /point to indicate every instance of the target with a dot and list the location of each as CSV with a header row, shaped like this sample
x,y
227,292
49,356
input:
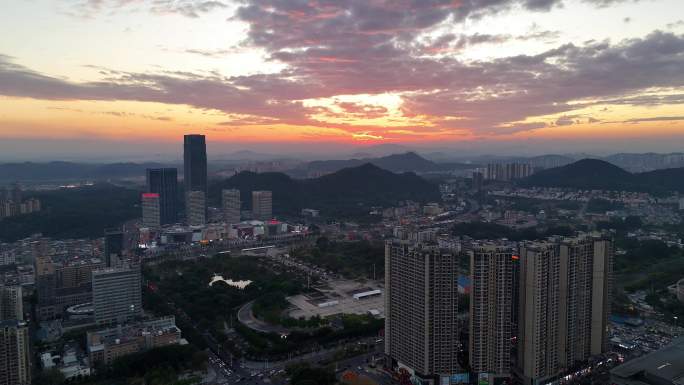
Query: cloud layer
x,y
371,47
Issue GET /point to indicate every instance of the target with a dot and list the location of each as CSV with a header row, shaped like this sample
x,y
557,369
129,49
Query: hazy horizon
x,y
96,79
164,152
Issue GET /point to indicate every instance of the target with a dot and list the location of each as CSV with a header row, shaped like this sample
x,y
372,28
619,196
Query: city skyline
x,y
328,192
513,77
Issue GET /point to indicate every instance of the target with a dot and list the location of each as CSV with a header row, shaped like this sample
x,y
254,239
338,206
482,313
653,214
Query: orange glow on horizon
x,y
123,120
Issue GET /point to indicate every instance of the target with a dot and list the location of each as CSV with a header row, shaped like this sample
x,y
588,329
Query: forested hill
x,y
597,174
356,187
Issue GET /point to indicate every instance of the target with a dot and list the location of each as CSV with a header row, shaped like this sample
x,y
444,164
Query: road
x,y
234,245
274,373
246,317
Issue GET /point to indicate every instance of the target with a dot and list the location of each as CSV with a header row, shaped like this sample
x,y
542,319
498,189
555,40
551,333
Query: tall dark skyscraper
x,y
195,167
113,246
164,181
195,162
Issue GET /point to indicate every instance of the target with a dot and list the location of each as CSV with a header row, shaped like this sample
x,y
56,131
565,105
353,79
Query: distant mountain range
x,y
64,171
349,189
630,162
600,175
405,162
399,161
647,161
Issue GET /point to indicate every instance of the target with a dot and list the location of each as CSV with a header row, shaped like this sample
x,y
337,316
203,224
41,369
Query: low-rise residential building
x,y
105,346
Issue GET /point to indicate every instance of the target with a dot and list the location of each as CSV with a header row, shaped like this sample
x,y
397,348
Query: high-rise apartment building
x,y
478,181
15,359
12,193
538,333
151,210
164,181
11,305
564,302
196,208
585,296
491,304
231,205
421,303
508,171
117,294
262,205
515,294
195,168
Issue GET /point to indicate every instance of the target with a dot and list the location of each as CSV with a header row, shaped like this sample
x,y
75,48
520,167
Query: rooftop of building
x,y
110,270
665,366
118,335
12,323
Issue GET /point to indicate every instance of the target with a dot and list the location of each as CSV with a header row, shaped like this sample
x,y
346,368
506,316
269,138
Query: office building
x,y
15,359
421,303
151,212
117,294
231,205
11,305
491,304
113,246
262,205
196,208
164,181
195,168
564,304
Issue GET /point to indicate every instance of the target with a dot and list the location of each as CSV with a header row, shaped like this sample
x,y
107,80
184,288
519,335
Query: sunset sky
x,y
89,78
